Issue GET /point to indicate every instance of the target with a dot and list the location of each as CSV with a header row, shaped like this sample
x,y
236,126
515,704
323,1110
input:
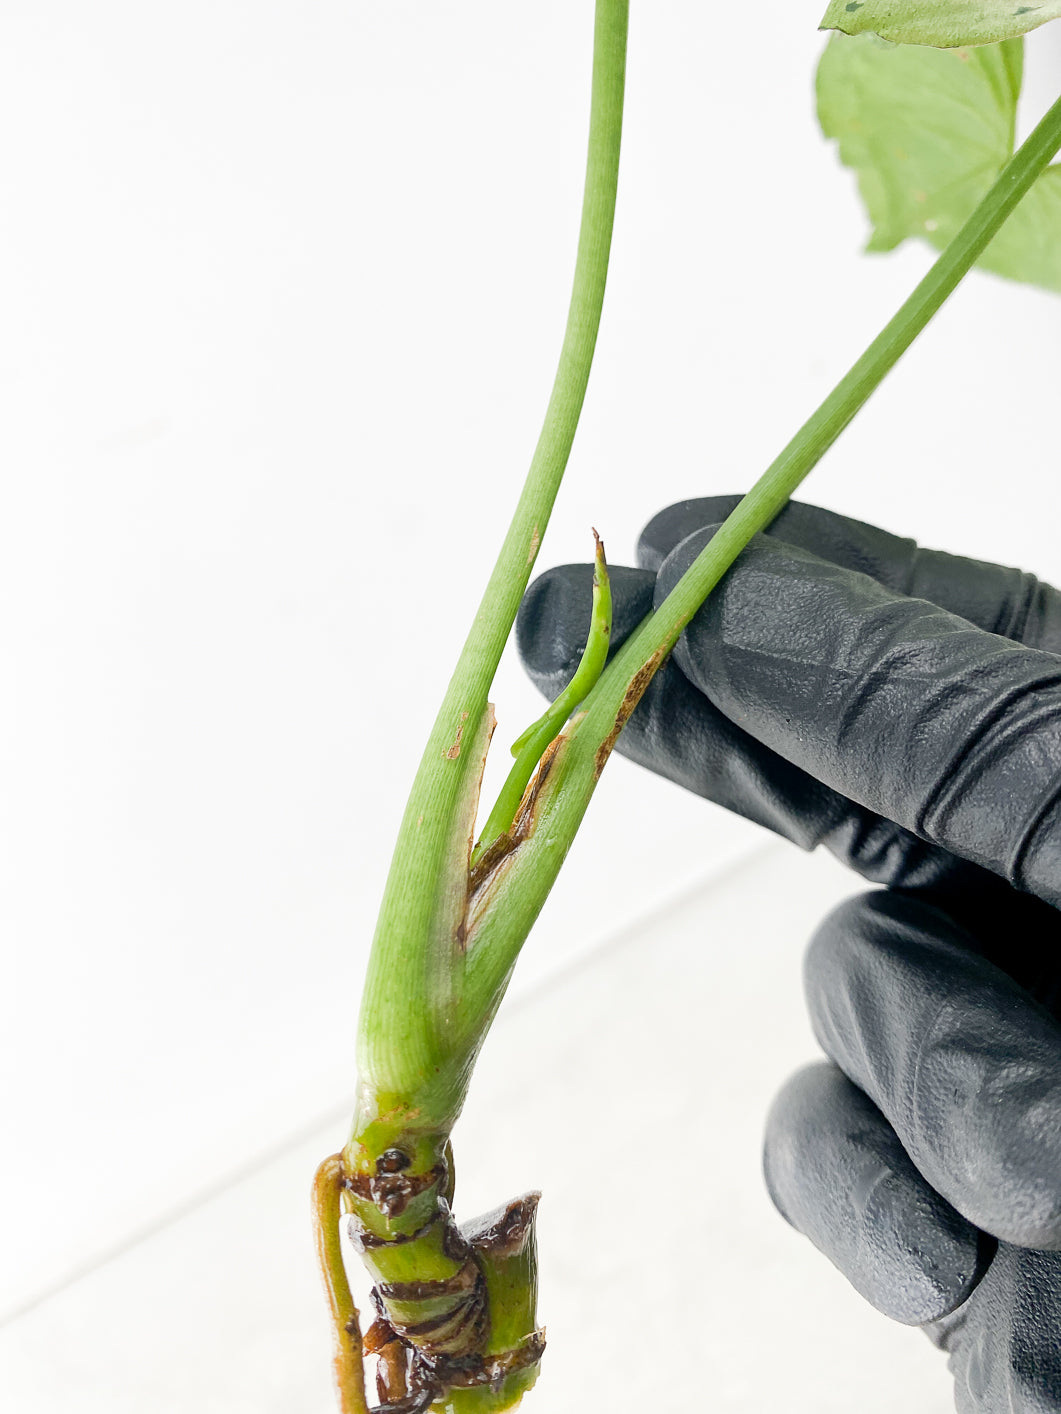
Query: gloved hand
x,y
902,707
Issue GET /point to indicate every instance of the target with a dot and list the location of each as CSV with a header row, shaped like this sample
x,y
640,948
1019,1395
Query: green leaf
x,y
1028,247
927,132
944,24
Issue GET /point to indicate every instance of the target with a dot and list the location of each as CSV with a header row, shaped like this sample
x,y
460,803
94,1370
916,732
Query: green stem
x,y
399,987
519,894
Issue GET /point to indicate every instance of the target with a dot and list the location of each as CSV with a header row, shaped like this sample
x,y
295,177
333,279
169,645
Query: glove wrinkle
x,y
678,733
890,559
1010,743
1041,627
992,597
884,853
905,709
1037,858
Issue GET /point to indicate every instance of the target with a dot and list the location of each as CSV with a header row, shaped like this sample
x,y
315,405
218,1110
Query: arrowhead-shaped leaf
x,y
927,132
945,24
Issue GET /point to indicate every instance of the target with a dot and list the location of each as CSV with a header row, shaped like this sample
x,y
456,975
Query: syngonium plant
x,y
456,1326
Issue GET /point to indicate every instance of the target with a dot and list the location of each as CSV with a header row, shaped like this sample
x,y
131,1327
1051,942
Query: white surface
x,y
283,288
632,1091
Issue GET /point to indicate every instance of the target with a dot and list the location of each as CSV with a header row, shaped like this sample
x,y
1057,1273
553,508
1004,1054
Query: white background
x,y
282,288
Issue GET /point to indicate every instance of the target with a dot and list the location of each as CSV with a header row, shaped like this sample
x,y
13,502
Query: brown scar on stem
x,y
506,1231
398,1113
452,752
485,871
631,698
460,936
536,540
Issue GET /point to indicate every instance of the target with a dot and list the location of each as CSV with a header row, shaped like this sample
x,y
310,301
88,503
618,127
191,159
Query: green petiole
x,y
528,747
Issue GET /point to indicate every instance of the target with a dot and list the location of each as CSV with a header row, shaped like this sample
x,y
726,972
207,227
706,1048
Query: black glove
x,y
903,707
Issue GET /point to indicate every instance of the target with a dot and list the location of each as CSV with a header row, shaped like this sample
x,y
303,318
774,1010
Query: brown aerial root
x,y
348,1357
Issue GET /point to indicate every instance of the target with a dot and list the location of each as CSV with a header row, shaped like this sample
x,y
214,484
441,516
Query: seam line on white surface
x,y
710,878
170,1216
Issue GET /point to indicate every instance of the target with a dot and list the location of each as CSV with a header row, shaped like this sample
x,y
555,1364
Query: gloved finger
x,y
1005,1342
679,734
951,732
1005,601
837,1172
964,1064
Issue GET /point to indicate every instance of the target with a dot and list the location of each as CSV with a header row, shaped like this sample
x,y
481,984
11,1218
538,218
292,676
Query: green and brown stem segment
x,y
457,1306
414,1065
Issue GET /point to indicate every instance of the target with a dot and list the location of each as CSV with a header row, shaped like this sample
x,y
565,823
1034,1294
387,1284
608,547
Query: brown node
x,y
392,1189
362,1240
392,1161
460,1330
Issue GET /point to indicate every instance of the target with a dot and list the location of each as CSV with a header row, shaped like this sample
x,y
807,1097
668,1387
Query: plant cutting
x,y
456,1322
